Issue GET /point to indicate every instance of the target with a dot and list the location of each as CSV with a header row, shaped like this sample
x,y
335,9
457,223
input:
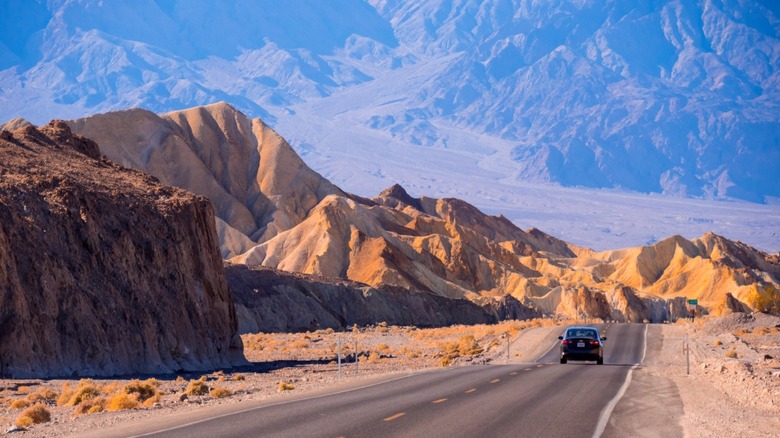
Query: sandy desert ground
x,y
733,388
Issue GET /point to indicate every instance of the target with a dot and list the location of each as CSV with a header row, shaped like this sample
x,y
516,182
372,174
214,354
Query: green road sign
x,y
693,302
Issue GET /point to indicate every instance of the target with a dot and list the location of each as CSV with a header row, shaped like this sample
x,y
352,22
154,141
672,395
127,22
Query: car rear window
x,y
582,333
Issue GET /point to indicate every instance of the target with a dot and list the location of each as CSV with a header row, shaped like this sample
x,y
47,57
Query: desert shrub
x,y
220,392
300,344
36,414
374,357
23,389
121,401
142,390
197,387
42,394
445,361
383,348
732,354
86,390
468,346
718,342
766,299
151,401
92,406
110,388
66,393
20,404
237,377
284,386
180,379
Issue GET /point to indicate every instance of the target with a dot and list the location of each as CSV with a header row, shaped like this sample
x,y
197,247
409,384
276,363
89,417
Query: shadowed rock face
x,y
268,300
103,270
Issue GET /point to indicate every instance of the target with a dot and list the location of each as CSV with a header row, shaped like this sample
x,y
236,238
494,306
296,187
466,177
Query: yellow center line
x,y
527,369
471,390
495,380
513,373
441,400
393,417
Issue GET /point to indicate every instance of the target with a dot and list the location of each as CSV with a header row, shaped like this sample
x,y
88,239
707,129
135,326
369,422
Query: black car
x,y
582,343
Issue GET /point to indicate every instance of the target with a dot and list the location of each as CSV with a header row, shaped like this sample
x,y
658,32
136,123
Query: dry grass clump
x,y
143,390
717,342
20,404
66,392
36,414
238,377
466,345
410,353
732,354
85,390
197,387
23,389
284,386
121,401
220,392
300,344
374,357
92,406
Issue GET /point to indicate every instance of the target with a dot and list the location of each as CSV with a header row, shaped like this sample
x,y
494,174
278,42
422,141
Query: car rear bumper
x,y
594,354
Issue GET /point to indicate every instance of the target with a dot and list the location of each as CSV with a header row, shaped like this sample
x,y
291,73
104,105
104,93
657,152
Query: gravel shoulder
x,y
733,389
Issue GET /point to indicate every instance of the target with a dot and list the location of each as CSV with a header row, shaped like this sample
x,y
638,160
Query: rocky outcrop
x,y
269,300
103,270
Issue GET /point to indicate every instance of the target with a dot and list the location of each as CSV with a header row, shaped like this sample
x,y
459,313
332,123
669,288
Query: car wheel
x,y
600,361
563,360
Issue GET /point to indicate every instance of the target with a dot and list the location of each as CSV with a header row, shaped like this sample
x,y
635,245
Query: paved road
x,y
540,399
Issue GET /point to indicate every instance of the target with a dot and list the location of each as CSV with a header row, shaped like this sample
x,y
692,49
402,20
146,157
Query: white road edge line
x,y
607,411
548,350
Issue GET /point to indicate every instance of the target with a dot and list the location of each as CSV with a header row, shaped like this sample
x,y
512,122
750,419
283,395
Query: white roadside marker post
x,y
507,347
687,354
338,355
357,359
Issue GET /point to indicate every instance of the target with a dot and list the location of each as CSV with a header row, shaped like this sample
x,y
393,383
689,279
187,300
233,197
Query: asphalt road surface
x,y
545,398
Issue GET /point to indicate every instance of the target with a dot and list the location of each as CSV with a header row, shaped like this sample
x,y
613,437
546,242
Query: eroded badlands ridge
x,y
273,210
103,270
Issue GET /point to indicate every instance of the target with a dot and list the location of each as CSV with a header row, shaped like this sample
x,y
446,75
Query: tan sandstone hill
x,y
274,211
259,186
103,270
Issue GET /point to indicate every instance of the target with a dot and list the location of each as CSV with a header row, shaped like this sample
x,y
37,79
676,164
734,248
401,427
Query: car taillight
x,y
565,342
594,342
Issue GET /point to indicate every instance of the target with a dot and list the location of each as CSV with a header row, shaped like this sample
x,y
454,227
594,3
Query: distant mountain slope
x,y
678,96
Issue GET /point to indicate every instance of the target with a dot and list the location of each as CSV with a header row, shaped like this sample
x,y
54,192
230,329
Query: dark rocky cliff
x,y
103,270
268,300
